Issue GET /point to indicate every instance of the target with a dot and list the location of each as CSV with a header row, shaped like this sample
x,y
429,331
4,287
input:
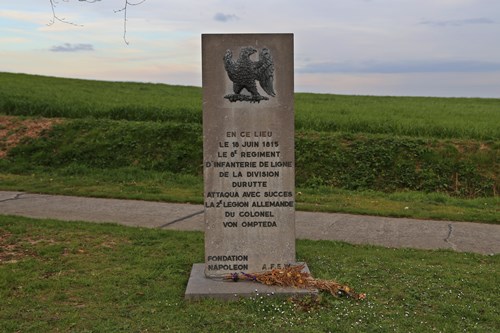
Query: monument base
x,y
200,287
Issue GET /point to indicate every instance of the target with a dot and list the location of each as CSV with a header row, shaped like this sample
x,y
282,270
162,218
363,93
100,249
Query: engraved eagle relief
x,y
244,72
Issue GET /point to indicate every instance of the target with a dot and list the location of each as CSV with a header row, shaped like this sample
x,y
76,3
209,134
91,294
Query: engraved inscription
x,y
250,190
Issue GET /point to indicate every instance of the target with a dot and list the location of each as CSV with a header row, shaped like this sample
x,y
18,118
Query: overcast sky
x,y
362,47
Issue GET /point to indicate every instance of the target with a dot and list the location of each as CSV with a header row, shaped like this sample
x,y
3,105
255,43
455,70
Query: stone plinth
x,y
200,287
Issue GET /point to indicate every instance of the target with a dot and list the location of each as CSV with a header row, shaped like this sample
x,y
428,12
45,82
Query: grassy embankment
x,y
84,277
395,156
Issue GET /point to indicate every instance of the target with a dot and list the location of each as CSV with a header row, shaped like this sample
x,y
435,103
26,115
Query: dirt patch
x,y
11,251
13,130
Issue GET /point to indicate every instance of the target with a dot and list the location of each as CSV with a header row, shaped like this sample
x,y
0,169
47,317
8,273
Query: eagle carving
x,y
244,72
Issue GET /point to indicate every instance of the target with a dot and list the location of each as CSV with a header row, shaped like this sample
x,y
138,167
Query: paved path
x,y
356,229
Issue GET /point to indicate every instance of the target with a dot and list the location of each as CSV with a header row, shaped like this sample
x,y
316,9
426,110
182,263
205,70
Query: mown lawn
x,y
82,277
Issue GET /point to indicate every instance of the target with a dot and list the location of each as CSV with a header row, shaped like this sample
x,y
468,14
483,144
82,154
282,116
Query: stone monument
x,y
249,162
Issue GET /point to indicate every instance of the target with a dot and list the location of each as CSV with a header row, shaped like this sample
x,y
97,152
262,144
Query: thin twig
x,y
124,10
53,4
55,18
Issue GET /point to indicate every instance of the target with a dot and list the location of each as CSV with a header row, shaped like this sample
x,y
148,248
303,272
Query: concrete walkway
x,y
356,229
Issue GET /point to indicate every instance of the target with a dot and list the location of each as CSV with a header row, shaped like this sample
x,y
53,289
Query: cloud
x,y
14,40
485,85
32,17
419,66
457,23
221,17
67,47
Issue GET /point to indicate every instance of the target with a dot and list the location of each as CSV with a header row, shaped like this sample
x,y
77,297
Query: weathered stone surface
x,y
249,165
200,287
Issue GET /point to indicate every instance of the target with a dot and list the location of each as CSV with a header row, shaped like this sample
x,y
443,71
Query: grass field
x,y
459,118
395,156
82,277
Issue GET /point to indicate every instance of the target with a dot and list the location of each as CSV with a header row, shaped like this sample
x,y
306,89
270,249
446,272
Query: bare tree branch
x,y
55,18
124,10
53,4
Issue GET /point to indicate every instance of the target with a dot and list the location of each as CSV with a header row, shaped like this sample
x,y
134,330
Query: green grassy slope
x,y
461,118
144,141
